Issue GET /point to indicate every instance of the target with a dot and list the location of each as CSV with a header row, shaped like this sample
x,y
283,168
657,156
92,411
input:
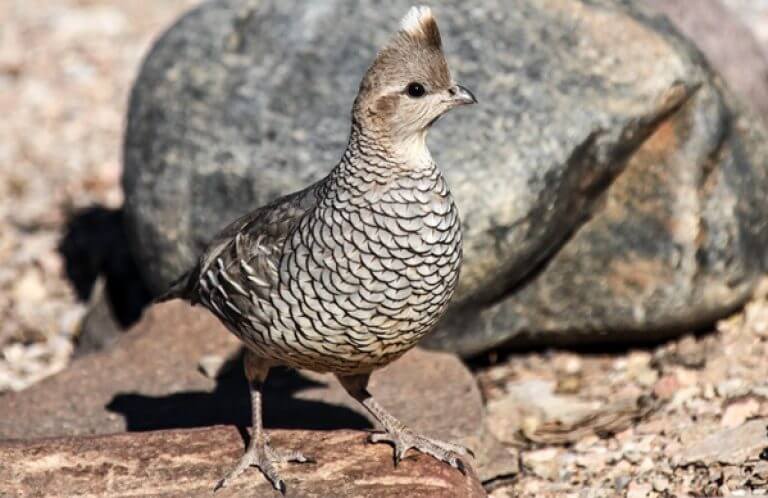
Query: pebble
x,y
638,490
29,288
732,388
666,387
691,353
64,103
739,412
660,484
544,463
211,365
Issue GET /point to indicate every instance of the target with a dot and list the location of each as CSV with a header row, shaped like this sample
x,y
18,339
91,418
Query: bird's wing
x,y
237,272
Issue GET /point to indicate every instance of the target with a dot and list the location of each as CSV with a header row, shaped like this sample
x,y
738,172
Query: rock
x,y
532,410
732,388
733,446
690,352
644,261
757,318
153,383
727,42
99,328
666,387
211,365
609,189
660,484
638,490
544,463
238,126
30,287
189,463
739,412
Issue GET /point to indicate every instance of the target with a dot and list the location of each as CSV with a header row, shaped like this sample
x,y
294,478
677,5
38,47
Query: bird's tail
x,y
179,289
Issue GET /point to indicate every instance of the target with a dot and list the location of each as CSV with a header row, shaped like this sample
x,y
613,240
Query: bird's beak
x,y
461,96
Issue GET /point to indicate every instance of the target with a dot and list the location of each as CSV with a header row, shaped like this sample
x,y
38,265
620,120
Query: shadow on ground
x,y
102,271
229,404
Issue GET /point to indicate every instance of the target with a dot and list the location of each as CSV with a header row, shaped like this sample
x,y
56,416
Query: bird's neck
x,y
397,154
372,166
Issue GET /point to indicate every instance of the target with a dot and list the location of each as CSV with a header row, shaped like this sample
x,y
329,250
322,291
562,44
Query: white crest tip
x,y
415,19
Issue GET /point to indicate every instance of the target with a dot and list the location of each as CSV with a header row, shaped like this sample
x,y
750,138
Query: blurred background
x,y
66,69
71,281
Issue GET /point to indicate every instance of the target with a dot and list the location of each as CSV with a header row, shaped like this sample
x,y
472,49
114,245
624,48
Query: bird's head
x,y
408,87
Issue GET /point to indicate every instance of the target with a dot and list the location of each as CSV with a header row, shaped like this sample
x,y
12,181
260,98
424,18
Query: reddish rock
x,y
666,387
731,446
150,380
188,463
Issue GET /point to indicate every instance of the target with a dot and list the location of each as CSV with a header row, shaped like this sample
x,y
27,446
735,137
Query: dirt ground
x,y
687,418
677,419
65,74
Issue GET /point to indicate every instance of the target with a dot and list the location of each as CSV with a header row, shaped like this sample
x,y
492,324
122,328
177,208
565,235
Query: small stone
x,y
684,395
573,365
621,482
691,353
638,360
639,369
660,484
647,377
666,387
757,318
544,463
732,388
569,384
739,412
211,365
646,465
686,377
30,287
529,425
727,446
595,461
638,490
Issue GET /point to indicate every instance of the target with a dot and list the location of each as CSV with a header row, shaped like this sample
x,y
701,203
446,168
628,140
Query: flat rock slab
x,y
189,462
150,380
735,446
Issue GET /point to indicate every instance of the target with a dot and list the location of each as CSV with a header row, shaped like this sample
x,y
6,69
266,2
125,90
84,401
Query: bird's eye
x,y
416,90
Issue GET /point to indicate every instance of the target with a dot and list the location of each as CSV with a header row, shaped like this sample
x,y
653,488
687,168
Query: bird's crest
x,y
413,54
420,25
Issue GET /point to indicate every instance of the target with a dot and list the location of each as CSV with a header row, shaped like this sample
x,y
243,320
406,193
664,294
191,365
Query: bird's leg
x,y
260,454
397,434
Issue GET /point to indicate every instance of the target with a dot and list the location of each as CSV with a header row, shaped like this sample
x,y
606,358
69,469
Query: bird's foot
x,y
405,439
260,454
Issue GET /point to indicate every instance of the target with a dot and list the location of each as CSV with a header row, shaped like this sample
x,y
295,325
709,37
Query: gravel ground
x,y
688,418
679,419
65,74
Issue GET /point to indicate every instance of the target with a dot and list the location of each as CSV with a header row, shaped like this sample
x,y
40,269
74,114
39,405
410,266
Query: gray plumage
x,y
344,276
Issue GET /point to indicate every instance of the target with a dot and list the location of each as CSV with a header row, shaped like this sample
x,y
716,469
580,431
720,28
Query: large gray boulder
x,y
608,189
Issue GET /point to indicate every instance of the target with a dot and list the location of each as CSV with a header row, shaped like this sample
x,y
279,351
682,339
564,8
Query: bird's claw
x,y
263,456
405,440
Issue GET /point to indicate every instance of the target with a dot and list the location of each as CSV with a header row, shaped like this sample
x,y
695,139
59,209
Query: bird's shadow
x,y
229,404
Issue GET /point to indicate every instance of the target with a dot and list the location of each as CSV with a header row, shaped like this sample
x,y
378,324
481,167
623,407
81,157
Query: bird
x,y
348,274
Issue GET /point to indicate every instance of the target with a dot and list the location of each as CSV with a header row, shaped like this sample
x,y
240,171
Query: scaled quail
x,y
348,274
